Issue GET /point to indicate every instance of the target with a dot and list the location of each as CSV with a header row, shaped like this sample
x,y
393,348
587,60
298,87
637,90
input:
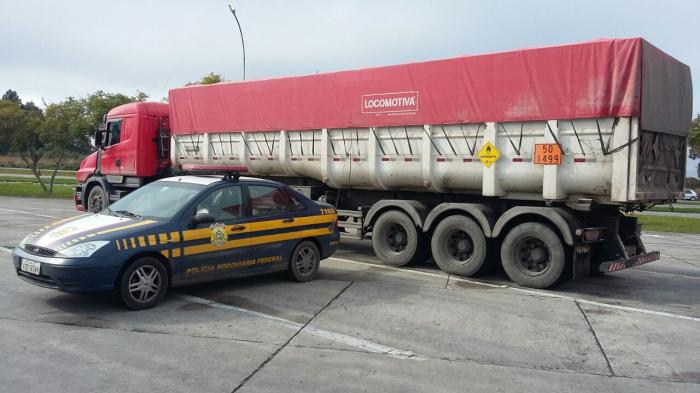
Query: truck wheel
x,y
459,246
304,262
396,240
97,199
533,255
143,283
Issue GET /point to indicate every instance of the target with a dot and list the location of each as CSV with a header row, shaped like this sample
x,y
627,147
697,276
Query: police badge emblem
x,y
218,234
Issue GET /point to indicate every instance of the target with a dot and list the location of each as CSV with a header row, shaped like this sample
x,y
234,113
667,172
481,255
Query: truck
x,y
535,157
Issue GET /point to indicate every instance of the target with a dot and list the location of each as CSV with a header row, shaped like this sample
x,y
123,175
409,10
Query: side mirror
x,y
202,218
99,139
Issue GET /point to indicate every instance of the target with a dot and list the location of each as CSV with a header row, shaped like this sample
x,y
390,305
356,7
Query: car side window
x,y
114,130
297,204
267,200
224,204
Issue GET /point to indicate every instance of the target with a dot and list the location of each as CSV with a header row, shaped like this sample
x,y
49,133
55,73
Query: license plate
x,y
30,266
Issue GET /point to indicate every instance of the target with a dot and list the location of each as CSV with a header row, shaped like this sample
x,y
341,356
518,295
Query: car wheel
x,y
459,246
143,284
533,255
97,200
304,262
396,241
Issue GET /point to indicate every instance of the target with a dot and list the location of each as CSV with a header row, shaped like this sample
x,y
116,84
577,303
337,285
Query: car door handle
x,y
237,228
287,220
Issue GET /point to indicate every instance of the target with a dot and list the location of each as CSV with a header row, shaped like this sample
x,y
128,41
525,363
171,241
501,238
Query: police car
x,y
181,230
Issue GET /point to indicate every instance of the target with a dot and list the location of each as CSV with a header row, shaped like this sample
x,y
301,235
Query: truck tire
x,y
396,240
143,284
98,200
533,255
459,246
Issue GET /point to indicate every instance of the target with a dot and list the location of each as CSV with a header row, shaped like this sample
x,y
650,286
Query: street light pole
x,y
241,33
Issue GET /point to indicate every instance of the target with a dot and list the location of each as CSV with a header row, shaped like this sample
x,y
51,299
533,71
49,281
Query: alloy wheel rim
x,y
305,261
144,284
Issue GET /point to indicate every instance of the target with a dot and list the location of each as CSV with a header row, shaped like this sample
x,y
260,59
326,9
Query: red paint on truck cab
x,y
130,142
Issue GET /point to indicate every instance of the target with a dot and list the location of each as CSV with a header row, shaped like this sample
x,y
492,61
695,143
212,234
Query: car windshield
x,y
159,201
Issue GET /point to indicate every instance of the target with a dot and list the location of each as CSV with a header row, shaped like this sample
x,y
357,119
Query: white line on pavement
x,y
7,250
356,342
32,214
532,292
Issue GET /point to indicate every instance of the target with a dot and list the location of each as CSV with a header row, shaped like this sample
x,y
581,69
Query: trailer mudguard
x,y
563,220
482,213
416,210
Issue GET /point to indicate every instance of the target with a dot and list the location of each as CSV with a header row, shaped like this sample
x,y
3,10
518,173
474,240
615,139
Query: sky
x,y
50,50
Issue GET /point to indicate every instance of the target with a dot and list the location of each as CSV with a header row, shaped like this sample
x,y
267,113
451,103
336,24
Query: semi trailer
x,y
534,157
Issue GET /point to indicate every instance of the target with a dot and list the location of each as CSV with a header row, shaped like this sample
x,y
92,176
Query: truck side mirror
x,y
99,139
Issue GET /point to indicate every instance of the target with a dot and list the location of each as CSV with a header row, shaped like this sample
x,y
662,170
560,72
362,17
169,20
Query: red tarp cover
x,y
592,79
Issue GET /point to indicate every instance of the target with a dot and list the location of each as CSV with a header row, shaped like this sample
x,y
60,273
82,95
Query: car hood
x,y
83,228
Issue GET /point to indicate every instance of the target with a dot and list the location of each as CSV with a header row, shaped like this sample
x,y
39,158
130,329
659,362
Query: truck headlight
x,y
83,250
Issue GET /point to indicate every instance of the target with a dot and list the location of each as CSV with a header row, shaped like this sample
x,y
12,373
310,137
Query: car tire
x,y
143,284
533,255
304,262
98,200
396,240
458,246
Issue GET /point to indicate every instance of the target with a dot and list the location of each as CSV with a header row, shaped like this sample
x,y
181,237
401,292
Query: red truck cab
x,y
133,149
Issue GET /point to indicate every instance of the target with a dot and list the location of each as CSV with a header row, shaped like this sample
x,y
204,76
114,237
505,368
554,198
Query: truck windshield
x,y
159,201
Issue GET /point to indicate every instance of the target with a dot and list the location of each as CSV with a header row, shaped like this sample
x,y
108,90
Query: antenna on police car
x,y
240,30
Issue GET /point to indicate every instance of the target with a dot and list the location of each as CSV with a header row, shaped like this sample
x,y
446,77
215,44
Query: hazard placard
x,y
547,154
488,154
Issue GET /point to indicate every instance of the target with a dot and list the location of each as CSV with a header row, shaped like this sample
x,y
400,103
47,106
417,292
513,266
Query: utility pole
x,y
241,33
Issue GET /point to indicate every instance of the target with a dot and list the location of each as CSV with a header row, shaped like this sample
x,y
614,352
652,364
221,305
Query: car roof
x,y
206,180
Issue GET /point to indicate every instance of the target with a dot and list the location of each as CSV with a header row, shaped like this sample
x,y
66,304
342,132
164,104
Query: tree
x,y
694,141
208,79
25,139
100,102
11,95
66,130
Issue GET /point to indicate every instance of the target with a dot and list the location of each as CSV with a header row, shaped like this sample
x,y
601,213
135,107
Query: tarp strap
x,y
561,149
432,141
410,149
520,143
448,140
577,137
606,147
379,142
393,141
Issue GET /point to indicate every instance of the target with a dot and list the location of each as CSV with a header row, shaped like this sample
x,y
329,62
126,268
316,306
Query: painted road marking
x,y
7,250
31,214
531,292
365,345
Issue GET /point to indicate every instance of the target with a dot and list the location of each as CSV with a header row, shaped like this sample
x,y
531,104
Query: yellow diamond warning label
x,y
488,154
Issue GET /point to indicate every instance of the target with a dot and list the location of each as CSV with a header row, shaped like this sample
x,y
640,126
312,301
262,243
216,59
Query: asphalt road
x,y
360,327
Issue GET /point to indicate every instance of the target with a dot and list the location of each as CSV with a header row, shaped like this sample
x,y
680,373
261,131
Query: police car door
x,y
273,225
218,248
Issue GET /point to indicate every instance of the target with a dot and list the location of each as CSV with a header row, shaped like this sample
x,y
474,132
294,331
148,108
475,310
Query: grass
x,y
35,190
670,224
22,171
17,179
676,209
13,161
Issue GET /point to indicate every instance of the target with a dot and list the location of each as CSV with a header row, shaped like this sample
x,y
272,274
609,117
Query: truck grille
x,y
36,250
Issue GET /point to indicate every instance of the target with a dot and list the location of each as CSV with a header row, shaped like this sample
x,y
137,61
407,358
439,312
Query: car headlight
x,y
24,241
83,250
